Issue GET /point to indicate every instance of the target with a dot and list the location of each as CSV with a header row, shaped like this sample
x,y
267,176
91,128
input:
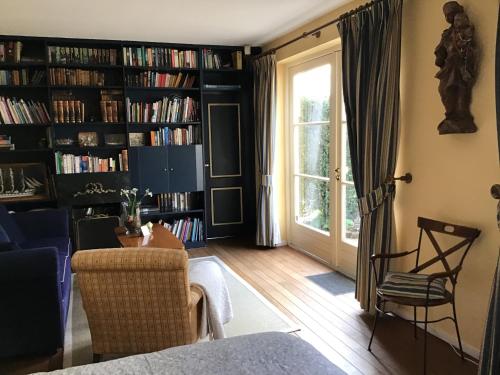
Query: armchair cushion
x,y
8,246
10,226
412,285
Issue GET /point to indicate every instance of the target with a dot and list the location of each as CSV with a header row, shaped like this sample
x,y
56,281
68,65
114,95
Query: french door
x,y
323,218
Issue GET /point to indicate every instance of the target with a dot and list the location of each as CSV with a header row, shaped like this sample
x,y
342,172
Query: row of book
x,y
188,229
215,60
169,109
69,163
18,111
168,202
155,79
10,52
159,57
6,143
21,77
177,136
76,77
68,111
82,55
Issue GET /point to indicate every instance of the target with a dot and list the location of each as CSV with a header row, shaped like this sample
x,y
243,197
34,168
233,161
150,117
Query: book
x,y
159,57
67,109
156,79
111,105
187,229
70,163
167,110
19,111
76,77
82,55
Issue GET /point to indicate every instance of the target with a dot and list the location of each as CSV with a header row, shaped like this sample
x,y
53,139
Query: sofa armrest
x,y
31,314
195,311
43,223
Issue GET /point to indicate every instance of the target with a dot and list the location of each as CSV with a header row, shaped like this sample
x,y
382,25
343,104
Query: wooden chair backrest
x,y
429,227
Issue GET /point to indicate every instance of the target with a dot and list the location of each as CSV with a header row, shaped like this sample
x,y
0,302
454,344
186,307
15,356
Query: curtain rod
x,y
317,30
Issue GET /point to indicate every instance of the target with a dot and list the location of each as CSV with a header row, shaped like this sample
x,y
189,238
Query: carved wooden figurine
x,y
456,58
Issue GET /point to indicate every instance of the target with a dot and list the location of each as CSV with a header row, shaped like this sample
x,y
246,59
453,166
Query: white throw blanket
x,y
216,304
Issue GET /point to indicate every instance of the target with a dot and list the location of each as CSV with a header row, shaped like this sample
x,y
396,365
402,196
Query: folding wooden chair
x,y
423,290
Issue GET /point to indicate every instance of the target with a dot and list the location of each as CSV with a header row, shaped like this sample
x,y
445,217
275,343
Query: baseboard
x,y
450,339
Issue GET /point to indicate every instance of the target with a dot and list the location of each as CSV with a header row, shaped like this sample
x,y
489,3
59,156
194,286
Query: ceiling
x,y
231,22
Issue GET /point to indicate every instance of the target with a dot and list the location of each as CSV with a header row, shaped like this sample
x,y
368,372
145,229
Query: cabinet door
x,y
149,168
185,164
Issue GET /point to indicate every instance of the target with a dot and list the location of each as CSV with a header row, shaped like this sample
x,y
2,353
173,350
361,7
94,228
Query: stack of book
x,y
69,163
21,77
82,55
211,59
14,111
111,105
237,57
10,52
75,77
215,60
187,229
168,202
68,111
178,136
169,109
155,79
159,57
6,143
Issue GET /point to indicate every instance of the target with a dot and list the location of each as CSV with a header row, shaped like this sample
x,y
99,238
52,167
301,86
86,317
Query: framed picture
x,y
136,139
88,139
23,182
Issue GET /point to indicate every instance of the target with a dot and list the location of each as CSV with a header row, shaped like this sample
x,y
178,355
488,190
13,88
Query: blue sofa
x,y
35,281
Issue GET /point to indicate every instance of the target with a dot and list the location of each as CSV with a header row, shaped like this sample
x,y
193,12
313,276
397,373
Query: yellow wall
x,y
452,173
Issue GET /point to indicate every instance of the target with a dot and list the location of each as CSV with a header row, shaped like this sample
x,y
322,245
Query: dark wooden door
x,y
228,140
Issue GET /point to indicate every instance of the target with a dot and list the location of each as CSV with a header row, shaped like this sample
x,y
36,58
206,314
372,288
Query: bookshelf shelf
x,y
13,126
22,65
23,87
87,124
27,150
89,148
81,87
85,66
226,70
65,175
136,88
161,69
171,213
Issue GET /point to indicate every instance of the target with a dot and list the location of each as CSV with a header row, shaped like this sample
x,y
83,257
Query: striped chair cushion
x,y
412,285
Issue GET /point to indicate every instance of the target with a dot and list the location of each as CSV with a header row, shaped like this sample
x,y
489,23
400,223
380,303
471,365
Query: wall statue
x,y
456,57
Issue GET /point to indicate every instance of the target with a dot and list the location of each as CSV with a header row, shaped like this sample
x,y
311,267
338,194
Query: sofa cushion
x,y
63,250
10,226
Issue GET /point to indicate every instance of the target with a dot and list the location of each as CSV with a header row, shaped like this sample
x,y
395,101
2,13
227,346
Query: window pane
x,y
312,203
350,215
311,95
346,156
312,150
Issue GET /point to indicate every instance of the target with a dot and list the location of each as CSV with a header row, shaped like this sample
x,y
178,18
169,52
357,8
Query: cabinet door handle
x,y
171,169
165,170
207,165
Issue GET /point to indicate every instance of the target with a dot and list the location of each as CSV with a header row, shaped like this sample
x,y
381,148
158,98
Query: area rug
x,y
252,314
334,282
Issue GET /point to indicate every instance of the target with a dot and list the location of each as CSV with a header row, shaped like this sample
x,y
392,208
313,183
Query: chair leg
x,y
415,321
456,328
373,330
425,340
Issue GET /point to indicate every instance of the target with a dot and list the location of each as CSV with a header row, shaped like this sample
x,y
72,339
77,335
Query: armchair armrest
x,y
31,313
196,295
442,275
390,256
195,309
43,223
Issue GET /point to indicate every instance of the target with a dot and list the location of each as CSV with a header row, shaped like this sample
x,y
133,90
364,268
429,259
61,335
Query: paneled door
x,y
227,153
320,189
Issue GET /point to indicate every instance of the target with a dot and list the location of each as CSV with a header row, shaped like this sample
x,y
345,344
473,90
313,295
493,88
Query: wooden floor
x,y
335,325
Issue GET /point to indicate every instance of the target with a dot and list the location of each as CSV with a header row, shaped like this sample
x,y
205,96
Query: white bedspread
x,y
216,304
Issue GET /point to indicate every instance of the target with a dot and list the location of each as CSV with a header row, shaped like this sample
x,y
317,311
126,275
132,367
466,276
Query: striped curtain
x,y
268,233
371,45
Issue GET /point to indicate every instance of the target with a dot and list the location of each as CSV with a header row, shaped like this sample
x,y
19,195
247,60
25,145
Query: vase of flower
x,y
131,209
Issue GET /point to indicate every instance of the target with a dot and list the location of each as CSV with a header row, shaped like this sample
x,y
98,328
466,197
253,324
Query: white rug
x,y
252,314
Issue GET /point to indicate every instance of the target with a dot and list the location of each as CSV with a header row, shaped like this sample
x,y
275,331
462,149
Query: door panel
x,y
229,164
149,168
185,167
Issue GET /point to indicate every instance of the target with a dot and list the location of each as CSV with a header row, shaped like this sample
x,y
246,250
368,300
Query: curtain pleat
x,y
268,233
371,52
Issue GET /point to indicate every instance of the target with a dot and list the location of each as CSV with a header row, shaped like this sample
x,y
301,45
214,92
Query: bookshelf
x,y
72,78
